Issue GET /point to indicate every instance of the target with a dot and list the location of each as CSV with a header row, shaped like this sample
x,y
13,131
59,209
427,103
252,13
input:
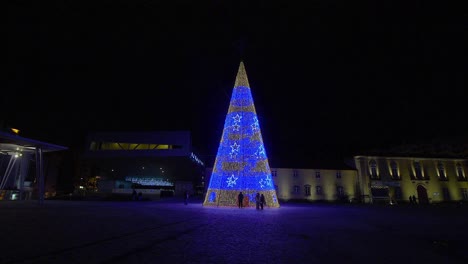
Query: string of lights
x,y
241,163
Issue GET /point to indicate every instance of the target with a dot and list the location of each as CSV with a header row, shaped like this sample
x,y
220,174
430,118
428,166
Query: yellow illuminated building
x,y
315,184
429,180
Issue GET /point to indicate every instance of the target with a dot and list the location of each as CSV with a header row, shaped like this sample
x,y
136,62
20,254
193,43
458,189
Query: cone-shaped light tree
x,y
241,164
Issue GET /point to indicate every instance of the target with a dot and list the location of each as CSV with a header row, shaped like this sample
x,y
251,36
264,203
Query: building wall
x,y
407,181
164,155
285,179
324,184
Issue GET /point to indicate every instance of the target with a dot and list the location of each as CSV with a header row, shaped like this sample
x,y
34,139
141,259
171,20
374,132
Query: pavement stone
x,y
167,231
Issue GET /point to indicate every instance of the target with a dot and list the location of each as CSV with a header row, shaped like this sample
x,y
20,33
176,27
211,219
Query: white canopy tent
x,y
16,152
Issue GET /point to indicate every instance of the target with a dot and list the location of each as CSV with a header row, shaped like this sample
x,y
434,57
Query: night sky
x,y
329,78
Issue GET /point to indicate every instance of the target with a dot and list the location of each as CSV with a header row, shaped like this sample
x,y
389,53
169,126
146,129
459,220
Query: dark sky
x,y
329,78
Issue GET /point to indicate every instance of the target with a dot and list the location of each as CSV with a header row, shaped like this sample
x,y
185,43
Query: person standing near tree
x,y
186,196
240,199
262,201
257,201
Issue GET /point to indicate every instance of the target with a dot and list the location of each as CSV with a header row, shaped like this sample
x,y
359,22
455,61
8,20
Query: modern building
x,y
151,162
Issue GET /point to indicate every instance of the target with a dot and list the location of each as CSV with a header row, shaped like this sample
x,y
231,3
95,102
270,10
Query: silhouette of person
x,y
411,199
240,200
257,201
186,196
262,201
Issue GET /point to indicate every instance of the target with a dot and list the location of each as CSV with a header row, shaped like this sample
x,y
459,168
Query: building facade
x,y
120,161
316,184
328,185
377,179
429,180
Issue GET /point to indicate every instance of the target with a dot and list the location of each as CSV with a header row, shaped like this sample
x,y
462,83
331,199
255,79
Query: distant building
x,y
429,179
376,179
316,184
326,185
120,161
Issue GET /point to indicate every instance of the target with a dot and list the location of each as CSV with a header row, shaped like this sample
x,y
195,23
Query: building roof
x,y
12,143
428,150
324,164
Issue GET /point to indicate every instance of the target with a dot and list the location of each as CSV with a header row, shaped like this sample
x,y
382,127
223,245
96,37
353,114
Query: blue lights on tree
x,y
241,164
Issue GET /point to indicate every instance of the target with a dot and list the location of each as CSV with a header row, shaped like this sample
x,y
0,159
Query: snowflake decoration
x,y
233,155
236,127
231,181
255,126
261,182
237,118
267,181
260,151
235,147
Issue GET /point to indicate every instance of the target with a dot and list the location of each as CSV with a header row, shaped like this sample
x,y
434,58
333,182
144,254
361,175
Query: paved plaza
x,y
167,231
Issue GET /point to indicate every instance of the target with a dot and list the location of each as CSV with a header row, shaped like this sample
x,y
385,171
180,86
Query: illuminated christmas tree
x,y
241,164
